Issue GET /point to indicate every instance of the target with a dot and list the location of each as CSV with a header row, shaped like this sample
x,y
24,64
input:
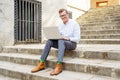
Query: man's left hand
x,y
65,37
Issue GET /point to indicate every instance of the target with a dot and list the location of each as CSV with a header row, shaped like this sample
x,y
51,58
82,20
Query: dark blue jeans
x,y
61,45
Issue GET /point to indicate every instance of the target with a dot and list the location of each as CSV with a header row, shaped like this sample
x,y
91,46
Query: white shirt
x,y
71,29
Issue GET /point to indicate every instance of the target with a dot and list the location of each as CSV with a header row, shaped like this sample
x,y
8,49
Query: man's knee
x,y
49,42
61,41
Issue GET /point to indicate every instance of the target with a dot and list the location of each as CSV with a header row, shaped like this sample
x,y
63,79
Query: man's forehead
x,y
63,12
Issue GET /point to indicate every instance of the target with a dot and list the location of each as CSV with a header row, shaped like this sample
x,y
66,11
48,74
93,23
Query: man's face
x,y
64,16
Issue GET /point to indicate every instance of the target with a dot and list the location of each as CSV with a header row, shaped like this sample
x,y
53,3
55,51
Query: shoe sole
x,y
55,74
37,71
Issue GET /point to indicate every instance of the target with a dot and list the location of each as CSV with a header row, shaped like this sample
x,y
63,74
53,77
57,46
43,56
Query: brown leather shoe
x,y
39,67
57,70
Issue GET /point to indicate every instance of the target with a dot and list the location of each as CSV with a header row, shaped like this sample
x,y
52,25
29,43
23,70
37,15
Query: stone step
x,y
109,17
101,36
23,72
98,22
96,14
93,66
110,52
100,41
103,17
102,20
114,16
92,16
111,25
99,15
7,78
93,19
108,9
93,32
103,27
114,19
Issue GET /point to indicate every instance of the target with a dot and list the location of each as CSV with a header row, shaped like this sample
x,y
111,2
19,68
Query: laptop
x,y
51,32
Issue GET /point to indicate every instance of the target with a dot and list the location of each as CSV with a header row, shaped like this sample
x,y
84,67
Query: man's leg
x,y
49,44
41,64
62,46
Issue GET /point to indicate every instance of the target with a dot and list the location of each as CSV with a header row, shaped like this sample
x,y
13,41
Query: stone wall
x,y
50,17
6,22
110,2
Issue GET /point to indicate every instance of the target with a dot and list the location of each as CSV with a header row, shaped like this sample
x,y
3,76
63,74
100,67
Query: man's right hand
x,y
65,37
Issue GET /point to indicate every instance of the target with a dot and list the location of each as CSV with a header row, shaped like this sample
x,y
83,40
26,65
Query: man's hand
x,y
65,37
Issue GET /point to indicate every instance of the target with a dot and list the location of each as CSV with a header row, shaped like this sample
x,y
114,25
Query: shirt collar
x,y
67,22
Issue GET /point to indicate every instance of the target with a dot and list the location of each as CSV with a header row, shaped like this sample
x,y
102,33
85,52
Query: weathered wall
x,y
50,17
6,22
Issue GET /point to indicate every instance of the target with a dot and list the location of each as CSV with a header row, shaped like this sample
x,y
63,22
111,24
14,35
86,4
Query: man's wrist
x,y
69,39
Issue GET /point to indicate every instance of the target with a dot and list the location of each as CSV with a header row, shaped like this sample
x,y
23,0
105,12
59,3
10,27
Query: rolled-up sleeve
x,y
76,33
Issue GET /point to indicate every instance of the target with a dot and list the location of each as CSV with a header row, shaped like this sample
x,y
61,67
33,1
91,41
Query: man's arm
x,y
76,34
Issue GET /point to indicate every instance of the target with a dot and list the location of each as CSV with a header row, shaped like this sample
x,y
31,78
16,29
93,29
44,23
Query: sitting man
x,y
70,35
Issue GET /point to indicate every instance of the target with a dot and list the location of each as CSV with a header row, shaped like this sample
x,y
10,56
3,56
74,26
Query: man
x,y
70,35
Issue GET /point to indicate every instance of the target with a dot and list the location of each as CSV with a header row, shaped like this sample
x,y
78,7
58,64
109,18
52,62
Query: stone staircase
x,y
87,62
100,26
